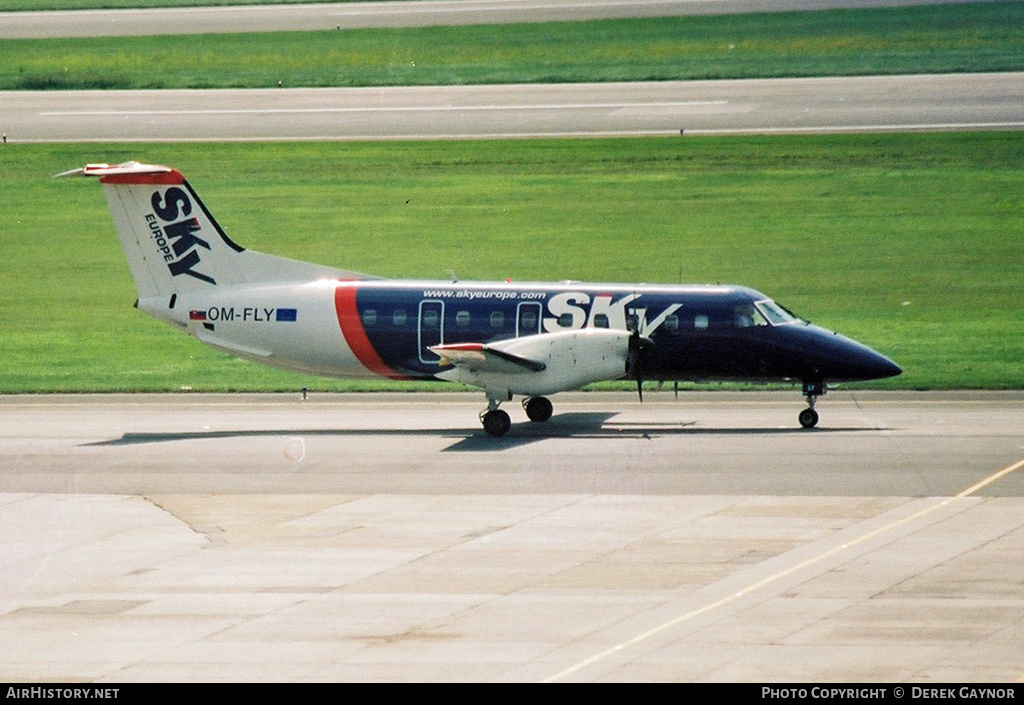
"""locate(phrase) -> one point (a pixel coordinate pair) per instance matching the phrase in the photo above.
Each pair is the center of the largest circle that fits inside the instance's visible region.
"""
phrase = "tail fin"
(174, 245)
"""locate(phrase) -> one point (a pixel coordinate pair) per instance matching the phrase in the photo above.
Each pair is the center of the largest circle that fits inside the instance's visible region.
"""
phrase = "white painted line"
(378, 109)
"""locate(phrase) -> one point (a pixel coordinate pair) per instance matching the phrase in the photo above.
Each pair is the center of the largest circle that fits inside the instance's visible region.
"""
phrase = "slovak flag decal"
(195, 315)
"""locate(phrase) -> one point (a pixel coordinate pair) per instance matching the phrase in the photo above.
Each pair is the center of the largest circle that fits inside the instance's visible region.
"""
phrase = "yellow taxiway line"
(782, 574)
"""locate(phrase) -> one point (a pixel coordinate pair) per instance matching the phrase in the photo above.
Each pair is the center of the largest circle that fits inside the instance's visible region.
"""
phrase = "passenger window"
(564, 321)
(370, 317)
(399, 317)
(700, 322)
(430, 318)
(528, 320)
(462, 319)
(497, 319)
(601, 320)
(671, 322)
(632, 322)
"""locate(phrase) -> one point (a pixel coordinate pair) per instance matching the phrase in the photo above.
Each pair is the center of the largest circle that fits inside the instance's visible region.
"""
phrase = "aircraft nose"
(881, 367)
(862, 363)
(837, 358)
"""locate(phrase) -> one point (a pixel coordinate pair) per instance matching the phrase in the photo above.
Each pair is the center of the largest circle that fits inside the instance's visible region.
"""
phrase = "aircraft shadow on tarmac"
(582, 426)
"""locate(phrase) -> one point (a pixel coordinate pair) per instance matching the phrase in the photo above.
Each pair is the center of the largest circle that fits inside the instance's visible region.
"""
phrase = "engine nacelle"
(571, 359)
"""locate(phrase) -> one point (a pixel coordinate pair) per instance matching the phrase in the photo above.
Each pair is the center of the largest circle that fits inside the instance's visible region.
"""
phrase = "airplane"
(510, 339)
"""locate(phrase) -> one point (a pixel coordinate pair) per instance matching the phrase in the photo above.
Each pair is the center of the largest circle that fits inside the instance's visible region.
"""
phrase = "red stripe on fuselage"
(355, 335)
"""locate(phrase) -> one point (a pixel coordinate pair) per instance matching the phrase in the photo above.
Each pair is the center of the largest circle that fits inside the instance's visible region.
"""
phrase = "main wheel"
(808, 418)
(496, 422)
(538, 409)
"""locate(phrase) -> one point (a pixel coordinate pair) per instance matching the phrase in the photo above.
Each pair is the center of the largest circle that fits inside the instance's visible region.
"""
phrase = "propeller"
(634, 368)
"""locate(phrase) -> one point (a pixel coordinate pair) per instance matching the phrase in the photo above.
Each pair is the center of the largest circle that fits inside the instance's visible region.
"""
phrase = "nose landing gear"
(808, 418)
(812, 390)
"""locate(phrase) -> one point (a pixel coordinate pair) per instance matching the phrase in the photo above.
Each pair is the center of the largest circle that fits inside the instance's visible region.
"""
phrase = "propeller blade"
(635, 345)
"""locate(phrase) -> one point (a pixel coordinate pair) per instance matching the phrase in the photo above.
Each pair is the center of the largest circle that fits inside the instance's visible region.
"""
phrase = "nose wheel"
(812, 390)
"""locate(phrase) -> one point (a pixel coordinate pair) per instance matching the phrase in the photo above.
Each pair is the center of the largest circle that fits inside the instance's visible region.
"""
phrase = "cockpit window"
(747, 315)
(778, 315)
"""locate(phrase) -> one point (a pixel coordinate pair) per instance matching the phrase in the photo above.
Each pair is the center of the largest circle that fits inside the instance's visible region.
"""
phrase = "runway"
(386, 538)
(776, 106)
(354, 15)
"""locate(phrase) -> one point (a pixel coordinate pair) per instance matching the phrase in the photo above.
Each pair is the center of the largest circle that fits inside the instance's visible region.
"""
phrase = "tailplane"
(172, 242)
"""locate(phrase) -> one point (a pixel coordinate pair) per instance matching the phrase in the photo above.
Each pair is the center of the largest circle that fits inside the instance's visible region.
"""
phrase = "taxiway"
(385, 537)
(767, 106)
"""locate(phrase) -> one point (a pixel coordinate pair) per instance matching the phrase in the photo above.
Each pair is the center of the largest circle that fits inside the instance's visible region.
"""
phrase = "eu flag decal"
(287, 314)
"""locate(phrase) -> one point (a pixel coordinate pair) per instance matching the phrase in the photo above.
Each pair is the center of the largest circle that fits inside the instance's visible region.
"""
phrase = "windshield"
(777, 315)
(746, 315)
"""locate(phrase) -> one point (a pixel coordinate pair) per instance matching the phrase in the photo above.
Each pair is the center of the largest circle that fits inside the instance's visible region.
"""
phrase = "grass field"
(925, 39)
(912, 243)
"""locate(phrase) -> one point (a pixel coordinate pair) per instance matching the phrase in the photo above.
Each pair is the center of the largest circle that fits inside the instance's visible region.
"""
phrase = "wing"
(539, 364)
(481, 358)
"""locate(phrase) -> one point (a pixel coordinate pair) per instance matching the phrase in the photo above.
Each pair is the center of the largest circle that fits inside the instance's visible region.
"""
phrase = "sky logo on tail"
(176, 237)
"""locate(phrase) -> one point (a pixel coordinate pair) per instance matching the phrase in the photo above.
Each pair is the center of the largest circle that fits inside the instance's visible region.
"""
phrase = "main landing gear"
(497, 422)
(812, 390)
(538, 409)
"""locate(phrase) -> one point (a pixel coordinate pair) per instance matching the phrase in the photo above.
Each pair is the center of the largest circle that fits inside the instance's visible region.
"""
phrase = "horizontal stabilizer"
(124, 169)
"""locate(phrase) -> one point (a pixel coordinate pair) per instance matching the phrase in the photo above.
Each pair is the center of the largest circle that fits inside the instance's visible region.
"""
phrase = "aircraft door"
(431, 329)
(528, 319)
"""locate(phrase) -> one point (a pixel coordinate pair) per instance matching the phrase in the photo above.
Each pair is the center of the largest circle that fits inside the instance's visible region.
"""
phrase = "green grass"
(912, 243)
(926, 39)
